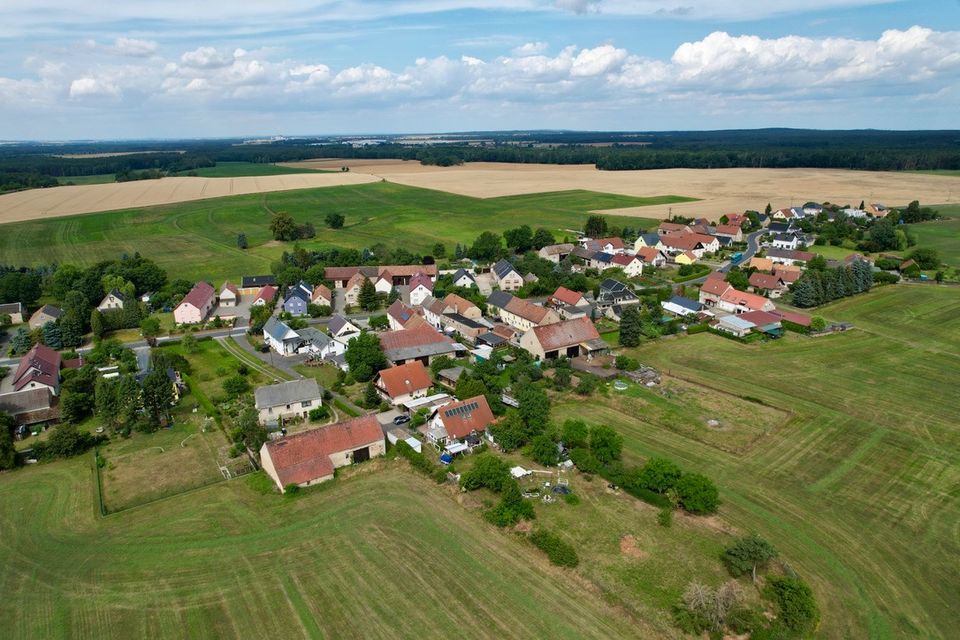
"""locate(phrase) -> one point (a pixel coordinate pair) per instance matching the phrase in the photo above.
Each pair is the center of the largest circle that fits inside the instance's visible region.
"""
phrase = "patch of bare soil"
(629, 548)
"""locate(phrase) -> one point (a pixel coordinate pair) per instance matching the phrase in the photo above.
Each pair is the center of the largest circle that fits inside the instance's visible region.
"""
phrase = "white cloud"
(134, 47)
(530, 49)
(206, 58)
(87, 87)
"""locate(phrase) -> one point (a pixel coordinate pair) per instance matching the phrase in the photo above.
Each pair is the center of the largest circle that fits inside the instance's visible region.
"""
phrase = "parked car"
(401, 420)
(264, 348)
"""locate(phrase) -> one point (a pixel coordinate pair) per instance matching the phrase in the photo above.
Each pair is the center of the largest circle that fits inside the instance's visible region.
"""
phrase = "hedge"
(698, 328)
(796, 328)
(559, 552)
(421, 462)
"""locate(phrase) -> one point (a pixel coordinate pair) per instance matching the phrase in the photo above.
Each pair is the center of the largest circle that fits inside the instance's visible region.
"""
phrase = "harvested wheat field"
(719, 190)
(70, 200)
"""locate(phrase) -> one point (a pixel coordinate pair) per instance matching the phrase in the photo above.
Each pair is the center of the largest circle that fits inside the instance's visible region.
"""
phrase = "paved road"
(753, 246)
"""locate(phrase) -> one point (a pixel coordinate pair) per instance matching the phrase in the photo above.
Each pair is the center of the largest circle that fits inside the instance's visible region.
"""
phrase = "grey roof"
(276, 329)
(491, 339)
(314, 336)
(297, 292)
(609, 284)
(465, 321)
(499, 299)
(25, 401)
(257, 281)
(463, 272)
(117, 294)
(724, 240)
(737, 322)
(502, 268)
(600, 256)
(453, 373)
(651, 239)
(11, 308)
(51, 310)
(337, 322)
(422, 351)
(686, 303)
(286, 393)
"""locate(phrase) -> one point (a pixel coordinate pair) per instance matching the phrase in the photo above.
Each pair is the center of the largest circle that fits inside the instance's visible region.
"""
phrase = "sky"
(222, 68)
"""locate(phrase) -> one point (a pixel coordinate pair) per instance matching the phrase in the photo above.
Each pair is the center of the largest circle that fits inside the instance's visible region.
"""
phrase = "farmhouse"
(43, 315)
(506, 276)
(570, 338)
(731, 231)
(403, 383)
(229, 295)
(421, 286)
(287, 400)
(38, 368)
(265, 296)
(737, 302)
(632, 265)
(667, 228)
(30, 406)
(786, 256)
(280, 337)
(465, 279)
(605, 245)
(764, 322)
(556, 253)
(680, 306)
(564, 297)
(652, 256)
(196, 305)
(310, 457)
(772, 284)
(519, 313)
(646, 240)
(458, 426)
(341, 328)
(297, 299)
(111, 301)
(251, 285)
(351, 290)
(14, 310)
(400, 274)
(423, 343)
(695, 243)
(615, 293)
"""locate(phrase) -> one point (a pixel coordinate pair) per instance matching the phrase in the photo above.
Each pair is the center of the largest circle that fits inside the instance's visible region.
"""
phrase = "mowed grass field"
(859, 489)
(942, 235)
(382, 553)
(199, 239)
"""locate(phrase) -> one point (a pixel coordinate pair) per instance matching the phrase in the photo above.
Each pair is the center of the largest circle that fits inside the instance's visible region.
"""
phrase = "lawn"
(240, 169)
(379, 553)
(99, 178)
(211, 363)
(859, 488)
(942, 235)
(199, 239)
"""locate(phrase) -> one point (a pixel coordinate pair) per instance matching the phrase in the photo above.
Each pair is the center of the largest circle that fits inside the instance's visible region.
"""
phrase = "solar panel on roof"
(467, 408)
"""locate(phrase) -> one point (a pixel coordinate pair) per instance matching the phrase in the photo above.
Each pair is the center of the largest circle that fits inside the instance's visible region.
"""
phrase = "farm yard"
(858, 489)
(226, 561)
(199, 239)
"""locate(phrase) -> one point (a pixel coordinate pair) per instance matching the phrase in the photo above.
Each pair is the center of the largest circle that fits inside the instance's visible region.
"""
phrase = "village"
(415, 330)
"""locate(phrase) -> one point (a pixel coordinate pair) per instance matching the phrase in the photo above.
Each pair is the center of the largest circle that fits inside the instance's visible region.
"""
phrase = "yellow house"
(685, 258)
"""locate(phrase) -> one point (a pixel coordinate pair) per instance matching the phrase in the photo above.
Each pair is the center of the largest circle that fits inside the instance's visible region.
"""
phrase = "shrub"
(559, 552)
(747, 554)
(665, 517)
(235, 385)
(488, 471)
(698, 328)
(320, 413)
(626, 363)
(697, 494)
(659, 474)
(587, 386)
(796, 606)
(571, 499)
(584, 460)
(291, 490)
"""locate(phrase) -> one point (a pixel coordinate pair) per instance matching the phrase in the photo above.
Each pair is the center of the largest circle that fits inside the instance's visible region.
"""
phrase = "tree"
(157, 396)
(796, 605)
(75, 405)
(510, 432)
(8, 452)
(631, 326)
(52, 336)
(488, 471)
(371, 399)
(697, 494)
(365, 357)
(379, 323)
(242, 241)
(768, 209)
(235, 385)
(926, 257)
(748, 553)
(575, 433)
(542, 238)
(817, 323)
(189, 344)
(605, 443)
(97, 326)
(884, 235)
(150, 327)
(486, 247)
(534, 408)
(520, 239)
(106, 405)
(439, 251)
(335, 220)
(247, 431)
(544, 450)
(283, 226)
(595, 227)
(659, 474)
(367, 299)
(20, 343)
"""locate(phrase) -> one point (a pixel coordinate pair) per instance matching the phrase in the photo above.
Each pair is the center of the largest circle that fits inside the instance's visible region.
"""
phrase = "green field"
(199, 239)
(859, 489)
(379, 554)
(942, 235)
(241, 169)
(100, 178)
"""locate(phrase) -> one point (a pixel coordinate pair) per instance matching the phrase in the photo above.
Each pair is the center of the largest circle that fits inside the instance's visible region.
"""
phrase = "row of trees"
(818, 286)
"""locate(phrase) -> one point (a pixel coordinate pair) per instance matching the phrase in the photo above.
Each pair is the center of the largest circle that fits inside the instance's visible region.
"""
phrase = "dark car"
(264, 348)
(401, 420)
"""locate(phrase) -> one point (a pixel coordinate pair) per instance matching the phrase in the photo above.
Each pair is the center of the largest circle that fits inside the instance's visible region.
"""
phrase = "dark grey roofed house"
(724, 240)
(650, 239)
(615, 292)
(499, 299)
(502, 268)
(337, 324)
(600, 256)
(285, 393)
(778, 227)
(491, 339)
(463, 273)
(465, 321)
(248, 282)
(680, 305)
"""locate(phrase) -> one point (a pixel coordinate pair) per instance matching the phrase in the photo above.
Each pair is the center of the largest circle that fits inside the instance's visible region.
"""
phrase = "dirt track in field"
(719, 190)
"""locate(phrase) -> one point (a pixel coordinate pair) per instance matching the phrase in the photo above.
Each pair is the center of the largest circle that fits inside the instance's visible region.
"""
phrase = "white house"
(632, 265)
(507, 277)
(294, 399)
(421, 286)
(464, 278)
(280, 337)
(111, 301)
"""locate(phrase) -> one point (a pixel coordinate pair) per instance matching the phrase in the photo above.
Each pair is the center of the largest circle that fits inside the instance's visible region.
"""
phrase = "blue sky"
(211, 68)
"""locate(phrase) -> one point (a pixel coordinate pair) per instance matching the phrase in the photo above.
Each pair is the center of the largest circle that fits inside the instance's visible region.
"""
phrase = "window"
(306, 403)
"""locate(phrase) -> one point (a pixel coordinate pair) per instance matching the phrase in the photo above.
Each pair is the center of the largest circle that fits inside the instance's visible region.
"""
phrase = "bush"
(659, 474)
(697, 494)
(421, 463)
(291, 490)
(320, 413)
(626, 363)
(559, 552)
(697, 328)
(587, 386)
(235, 385)
(796, 606)
(584, 460)
(488, 471)
(571, 499)
(665, 517)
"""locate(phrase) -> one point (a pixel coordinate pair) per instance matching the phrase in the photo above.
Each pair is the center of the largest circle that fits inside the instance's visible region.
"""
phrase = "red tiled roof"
(648, 254)
(415, 337)
(228, 286)
(395, 270)
(322, 292)
(796, 318)
(504, 331)
(600, 243)
(760, 318)
(199, 296)
(765, 281)
(743, 299)
(403, 314)
(527, 310)
(305, 456)
(41, 364)
(623, 259)
(715, 284)
(672, 227)
(267, 294)
(459, 304)
(405, 378)
(686, 241)
(565, 334)
(728, 229)
(567, 296)
(460, 419)
(788, 277)
(421, 279)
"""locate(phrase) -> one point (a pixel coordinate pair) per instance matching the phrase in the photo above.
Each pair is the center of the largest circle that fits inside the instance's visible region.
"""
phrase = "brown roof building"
(570, 338)
(404, 382)
(38, 367)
